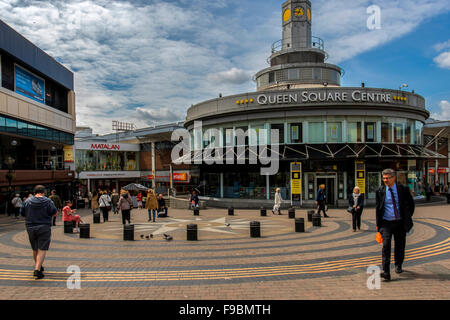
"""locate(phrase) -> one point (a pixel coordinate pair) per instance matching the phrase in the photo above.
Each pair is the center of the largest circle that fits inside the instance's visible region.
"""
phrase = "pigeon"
(227, 224)
(142, 236)
(151, 235)
(167, 237)
(147, 237)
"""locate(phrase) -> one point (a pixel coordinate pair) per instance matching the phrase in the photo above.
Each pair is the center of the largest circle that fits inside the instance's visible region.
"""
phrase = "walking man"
(17, 203)
(38, 211)
(58, 204)
(321, 200)
(394, 211)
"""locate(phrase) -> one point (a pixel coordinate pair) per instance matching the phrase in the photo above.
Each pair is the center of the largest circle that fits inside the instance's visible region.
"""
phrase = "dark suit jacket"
(406, 204)
(359, 203)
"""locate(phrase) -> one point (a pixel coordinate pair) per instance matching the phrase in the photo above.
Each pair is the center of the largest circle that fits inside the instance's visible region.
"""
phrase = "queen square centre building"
(338, 136)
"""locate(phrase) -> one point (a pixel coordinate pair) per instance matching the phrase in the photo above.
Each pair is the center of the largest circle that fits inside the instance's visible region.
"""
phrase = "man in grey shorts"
(38, 211)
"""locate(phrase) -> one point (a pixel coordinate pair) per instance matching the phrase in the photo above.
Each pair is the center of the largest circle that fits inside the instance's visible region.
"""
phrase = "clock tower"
(296, 24)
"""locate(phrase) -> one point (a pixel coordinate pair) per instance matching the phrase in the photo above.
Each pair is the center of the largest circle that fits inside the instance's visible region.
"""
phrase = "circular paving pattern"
(225, 253)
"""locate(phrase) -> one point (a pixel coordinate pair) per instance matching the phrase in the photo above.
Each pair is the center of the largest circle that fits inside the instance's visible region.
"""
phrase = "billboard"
(28, 84)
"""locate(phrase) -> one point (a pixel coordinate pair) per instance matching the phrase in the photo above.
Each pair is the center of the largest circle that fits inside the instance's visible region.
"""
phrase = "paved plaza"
(328, 262)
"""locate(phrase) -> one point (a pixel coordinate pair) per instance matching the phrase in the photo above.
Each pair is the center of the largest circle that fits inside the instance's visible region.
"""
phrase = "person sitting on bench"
(162, 206)
(68, 215)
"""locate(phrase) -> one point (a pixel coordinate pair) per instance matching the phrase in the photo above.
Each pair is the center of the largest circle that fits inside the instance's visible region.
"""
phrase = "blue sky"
(148, 61)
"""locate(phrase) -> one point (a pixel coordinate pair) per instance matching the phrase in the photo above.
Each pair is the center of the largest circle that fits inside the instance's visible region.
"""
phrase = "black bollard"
(316, 220)
(192, 232)
(128, 232)
(291, 213)
(196, 212)
(299, 225)
(263, 212)
(231, 211)
(255, 229)
(85, 231)
(96, 218)
(310, 214)
(68, 227)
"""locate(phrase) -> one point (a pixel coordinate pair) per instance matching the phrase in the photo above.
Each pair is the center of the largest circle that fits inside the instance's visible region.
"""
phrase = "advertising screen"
(29, 85)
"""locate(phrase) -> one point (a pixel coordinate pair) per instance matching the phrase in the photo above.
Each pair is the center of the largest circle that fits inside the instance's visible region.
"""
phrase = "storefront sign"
(29, 85)
(360, 176)
(68, 153)
(109, 174)
(431, 170)
(296, 183)
(324, 96)
(443, 170)
(102, 146)
(180, 176)
(98, 146)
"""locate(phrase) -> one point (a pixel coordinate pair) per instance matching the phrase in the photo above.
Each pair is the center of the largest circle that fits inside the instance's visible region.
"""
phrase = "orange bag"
(379, 238)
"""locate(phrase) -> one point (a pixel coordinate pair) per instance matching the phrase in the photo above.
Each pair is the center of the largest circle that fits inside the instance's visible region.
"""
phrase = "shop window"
(399, 132)
(228, 137)
(280, 128)
(255, 133)
(241, 140)
(418, 132)
(386, 132)
(371, 132)
(334, 132)
(11, 125)
(296, 132)
(354, 132)
(2, 124)
(315, 132)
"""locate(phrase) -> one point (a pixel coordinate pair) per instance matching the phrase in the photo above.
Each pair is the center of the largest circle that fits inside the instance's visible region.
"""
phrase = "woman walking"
(124, 205)
(94, 202)
(105, 205)
(356, 201)
(321, 200)
(151, 204)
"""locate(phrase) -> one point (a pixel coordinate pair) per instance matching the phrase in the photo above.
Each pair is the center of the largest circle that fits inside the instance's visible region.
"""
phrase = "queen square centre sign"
(324, 96)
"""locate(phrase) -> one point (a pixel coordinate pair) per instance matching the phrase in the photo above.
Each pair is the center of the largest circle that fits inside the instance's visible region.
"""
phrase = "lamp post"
(10, 175)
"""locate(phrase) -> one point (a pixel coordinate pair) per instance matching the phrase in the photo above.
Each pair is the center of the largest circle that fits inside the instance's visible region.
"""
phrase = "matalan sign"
(103, 146)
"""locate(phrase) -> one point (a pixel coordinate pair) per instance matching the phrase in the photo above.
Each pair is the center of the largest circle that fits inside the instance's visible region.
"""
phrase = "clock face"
(286, 15)
(309, 14)
(299, 12)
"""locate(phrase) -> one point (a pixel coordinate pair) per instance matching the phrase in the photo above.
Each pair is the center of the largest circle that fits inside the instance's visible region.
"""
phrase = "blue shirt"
(389, 213)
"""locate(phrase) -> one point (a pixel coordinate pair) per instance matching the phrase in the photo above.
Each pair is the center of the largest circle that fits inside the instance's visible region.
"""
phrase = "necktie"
(395, 204)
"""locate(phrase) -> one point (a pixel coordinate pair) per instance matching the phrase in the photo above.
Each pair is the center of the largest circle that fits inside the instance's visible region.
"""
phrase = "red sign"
(431, 170)
(150, 177)
(180, 176)
(102, 146)
(442, 170)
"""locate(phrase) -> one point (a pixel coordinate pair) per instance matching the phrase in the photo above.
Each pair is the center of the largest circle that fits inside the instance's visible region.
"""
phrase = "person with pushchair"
(193, 200)
(278, 201)
(162, 208)
(321, 200)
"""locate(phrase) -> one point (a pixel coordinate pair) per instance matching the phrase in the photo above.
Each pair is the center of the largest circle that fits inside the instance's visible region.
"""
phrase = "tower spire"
(296, 24)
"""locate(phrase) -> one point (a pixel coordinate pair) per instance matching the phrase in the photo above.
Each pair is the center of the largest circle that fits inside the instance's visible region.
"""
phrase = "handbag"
(108, 207)
(350, 209)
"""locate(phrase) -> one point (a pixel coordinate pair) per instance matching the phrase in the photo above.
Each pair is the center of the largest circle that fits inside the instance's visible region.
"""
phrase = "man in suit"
(394, 210)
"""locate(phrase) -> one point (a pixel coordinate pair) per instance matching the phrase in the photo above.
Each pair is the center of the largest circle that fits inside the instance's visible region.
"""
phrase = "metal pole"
(153, 166)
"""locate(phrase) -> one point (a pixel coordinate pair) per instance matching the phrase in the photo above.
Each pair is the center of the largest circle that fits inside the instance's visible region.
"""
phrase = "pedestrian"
(114, 200)
(356, 201)
(193, 200)
(89, 200)
(124, 205)
(17, 204)
(428, 191)
(278, 200)
(447, 192)
(58, 204)
(151, 205)
(94, 201)
(394, 210)
(139, 200)
(162, 206)
(68, 215)
(321, 200)
(105, 205)
(38, 211)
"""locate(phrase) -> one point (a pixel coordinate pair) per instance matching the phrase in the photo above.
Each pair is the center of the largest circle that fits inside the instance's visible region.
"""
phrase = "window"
(371, 135)
(296, 132)
(227, 137)
(334, 132)
(22, 128)
(271, 77)
(280, 128)
(399, 132)
(418, 132)
(255, 132)
(2, 124)
(293, 74)
(11, 125)
(315, 132)
(354, 132)
(386, 132)
(317, 74)
(241, 136)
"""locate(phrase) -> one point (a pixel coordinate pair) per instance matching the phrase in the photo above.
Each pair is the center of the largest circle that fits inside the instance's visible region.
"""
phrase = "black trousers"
(387, 230)
(105, 213)
(322, 208)
(356, 219)
(126, 216)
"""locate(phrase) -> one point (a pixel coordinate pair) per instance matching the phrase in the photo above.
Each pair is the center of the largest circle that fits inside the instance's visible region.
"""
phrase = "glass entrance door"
(373, 183)
(330, 188)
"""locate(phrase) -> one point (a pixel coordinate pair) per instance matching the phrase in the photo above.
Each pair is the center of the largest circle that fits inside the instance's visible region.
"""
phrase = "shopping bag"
(379, 238)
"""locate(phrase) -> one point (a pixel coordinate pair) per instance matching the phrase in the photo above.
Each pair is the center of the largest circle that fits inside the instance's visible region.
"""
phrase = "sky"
(147, 62)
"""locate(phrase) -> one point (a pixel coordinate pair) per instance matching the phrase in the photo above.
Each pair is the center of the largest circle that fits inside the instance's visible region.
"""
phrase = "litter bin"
(68, 227)
(85, 231)
(192, 232)
(196, 212)
(263, 212)
(231, 211)
(299, 225)
(255, 229)
(316, 220)
(96, 217)
(291, 213)
(128, 232)
(80, 204)
(310, 214)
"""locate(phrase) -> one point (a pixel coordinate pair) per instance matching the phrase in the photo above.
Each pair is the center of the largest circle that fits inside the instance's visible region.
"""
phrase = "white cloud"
(442, 45)
(444, 115)
(159, 116)
(443, 60)
(232, 76)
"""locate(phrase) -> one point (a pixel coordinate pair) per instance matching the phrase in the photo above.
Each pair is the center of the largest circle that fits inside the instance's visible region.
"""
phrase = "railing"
(316, 43)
